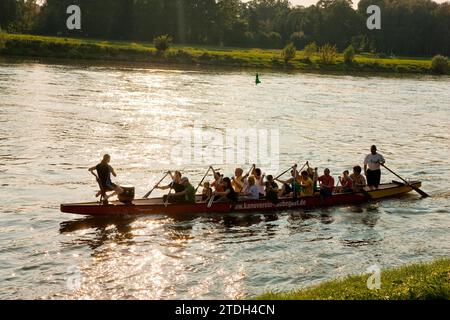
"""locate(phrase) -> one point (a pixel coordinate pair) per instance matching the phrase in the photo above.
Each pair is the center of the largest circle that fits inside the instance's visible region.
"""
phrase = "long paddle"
(204, 177)
(167, 199)
(291, 168)
(306, 164)
(156, 185)
(422, 193)
(281, 174)
(210, 202)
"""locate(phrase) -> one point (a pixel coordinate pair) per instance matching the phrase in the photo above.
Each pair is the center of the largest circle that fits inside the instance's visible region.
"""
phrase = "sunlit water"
(57, 120)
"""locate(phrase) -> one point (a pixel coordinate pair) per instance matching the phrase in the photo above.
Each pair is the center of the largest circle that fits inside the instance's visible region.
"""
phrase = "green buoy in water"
(257, 81)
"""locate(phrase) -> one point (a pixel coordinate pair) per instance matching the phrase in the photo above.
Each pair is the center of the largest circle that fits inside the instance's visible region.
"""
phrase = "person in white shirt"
(252, 191)
(259, 181)
(372, 164)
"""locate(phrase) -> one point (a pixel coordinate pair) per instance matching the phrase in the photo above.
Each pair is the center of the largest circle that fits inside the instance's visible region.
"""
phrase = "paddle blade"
(422, 193)
(210, 202)
(148, 194)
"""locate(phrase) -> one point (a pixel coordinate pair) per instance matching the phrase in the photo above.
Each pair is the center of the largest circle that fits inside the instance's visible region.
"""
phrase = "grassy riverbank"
(56, 47)
(411, 282)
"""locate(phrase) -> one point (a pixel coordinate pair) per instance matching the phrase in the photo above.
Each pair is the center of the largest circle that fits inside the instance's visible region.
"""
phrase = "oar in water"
(211, 200)
(422, 193)
(156, 185)
(167, 199)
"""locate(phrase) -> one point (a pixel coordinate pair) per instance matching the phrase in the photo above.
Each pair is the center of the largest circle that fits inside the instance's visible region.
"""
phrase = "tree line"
(408, 27)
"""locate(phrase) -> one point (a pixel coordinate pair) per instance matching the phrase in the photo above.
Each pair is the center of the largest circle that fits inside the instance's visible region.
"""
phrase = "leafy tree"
(231, 26)
(339, 22)
(360, 43)
(8, 13)
(409, 27)
(288, 53)
(18, 15)
(298, 38)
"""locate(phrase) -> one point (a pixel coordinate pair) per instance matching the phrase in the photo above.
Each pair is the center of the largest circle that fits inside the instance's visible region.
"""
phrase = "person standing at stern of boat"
(372, 164)
(104, 171)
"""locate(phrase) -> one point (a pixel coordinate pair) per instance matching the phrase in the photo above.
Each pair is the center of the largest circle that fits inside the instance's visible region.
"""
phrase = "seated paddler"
(185, 196)
(176, 185)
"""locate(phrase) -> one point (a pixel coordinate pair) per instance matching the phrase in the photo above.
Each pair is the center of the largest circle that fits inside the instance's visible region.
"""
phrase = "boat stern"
(393, 189)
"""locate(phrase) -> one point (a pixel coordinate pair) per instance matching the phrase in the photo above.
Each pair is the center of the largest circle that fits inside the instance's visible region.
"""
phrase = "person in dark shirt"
(185, 196)
(228, 194)
(103, 176)
(176, 185)
(271, 189)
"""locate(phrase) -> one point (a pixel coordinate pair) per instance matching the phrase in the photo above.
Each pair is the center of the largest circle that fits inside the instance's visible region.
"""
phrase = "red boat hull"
(156, 205)
(144, 206)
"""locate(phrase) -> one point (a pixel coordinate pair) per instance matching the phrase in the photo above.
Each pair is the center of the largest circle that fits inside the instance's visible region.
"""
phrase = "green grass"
(73, 48)
(420, 281)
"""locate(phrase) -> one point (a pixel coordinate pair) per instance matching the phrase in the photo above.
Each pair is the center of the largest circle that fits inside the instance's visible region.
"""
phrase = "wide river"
(58, 119)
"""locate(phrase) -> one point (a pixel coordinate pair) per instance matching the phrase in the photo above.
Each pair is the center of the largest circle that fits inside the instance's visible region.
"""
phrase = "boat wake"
(442, 195)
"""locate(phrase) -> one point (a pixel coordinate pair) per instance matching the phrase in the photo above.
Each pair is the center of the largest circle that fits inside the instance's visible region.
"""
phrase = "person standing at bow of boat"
(104, 171)
(372, 171)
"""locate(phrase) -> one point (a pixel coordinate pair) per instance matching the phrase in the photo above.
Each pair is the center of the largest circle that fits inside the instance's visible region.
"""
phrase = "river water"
(58, 119)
